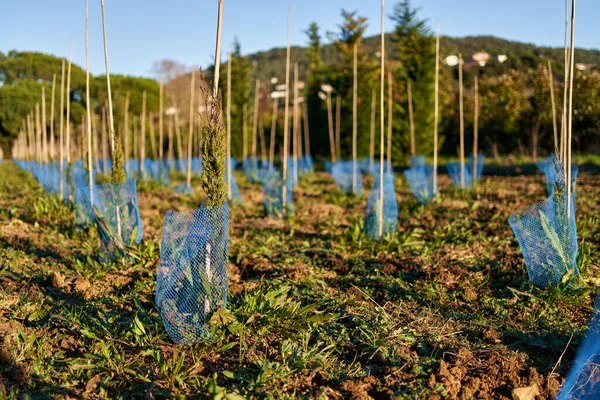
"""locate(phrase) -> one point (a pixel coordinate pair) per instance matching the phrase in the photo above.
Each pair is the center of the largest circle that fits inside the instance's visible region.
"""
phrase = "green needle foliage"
(214, 148)
(117, 174)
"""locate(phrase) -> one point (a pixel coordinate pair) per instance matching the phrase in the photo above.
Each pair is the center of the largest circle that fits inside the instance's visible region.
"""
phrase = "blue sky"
(143, 31)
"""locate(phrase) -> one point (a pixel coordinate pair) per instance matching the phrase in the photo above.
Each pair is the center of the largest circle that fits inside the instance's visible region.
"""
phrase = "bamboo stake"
(191, 129)
(570, 115)
(372, 133)
(111, 122)
(52, 142)
(161, 112)
(306, 130)
(171, 148)
(44, 127)
(390, 119)
(563, 132)
(436, 108)
(126, 133)
(295, 124)
(476, 132)
(382, 88)
(554, 126)
(68, 94)
(135, 150)
(263, 144)
(229, 172)
(354, 117)
(255, 118)
(338, 125)
(178, 136)
(95, 143)
(61, 131)
(286, 110)
(245, 131)
(330, 121)
(462, 122)
(411, 120)
(88, 107)
(273, 131)
(152, 134)
(104, 143)
(143, 137)
(38, 134)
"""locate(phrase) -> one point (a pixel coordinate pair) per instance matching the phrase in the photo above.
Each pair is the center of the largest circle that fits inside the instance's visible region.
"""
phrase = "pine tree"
(316, 107)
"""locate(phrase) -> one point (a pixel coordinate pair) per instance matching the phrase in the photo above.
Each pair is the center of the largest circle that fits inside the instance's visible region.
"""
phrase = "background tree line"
(515, 109)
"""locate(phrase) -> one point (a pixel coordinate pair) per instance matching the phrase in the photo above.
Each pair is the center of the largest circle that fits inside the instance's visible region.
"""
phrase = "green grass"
(316, 309)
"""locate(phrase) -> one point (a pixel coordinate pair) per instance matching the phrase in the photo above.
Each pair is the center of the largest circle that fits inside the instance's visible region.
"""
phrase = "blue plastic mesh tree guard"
(550, 173)
(390, 208)
(583, 380)
(235, 190)
(250, 167)
(328, 166)
(309, 164)
(417, 161)
(420, 181)
(184, 188)
(192, 279)
(342, 172)
(117, 216)
(454, 171)
(79, 185)
(272, 188)
(548, 238)
(545, 163)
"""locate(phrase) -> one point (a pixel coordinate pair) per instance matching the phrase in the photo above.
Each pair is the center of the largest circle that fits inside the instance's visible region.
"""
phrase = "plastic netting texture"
(454, 171)
(373, 228)
(548, 239)
(583, 380)
(550, 173)
(192, 280)
(272, 188)
(117, 216)
(250, 167)
(420, 181)
(343, 174)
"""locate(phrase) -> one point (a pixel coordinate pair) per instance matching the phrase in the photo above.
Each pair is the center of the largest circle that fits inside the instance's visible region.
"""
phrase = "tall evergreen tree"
(415, 47)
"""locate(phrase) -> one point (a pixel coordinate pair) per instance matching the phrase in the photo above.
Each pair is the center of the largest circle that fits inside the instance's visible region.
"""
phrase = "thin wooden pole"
(171, 148)
(126, 133)
(229, 172)
(563, 132)
(286, 111)
(88, 107)
(554, 126)
(263, 144)
(191, 129)
(570, 114)
(462, 121)
(44, 127)
(306, 130)
(180, 153)
(330, 121)
(152, 134)
(411, 120)
(255, 118)
(95, 143)
(135, 148)
(245, 131)
(161, 113)
(273, 131)
(111, 122)
(382, 123)
(372, 132)
(104, 143)
(476, 131)
(436, 108)
(38, 134)
(143, 136)
(52, 142)
(61, 130)
(68, 98)
(218, 53)
(338, 125)
(354, 120)
(390, 121)
(295, 124)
